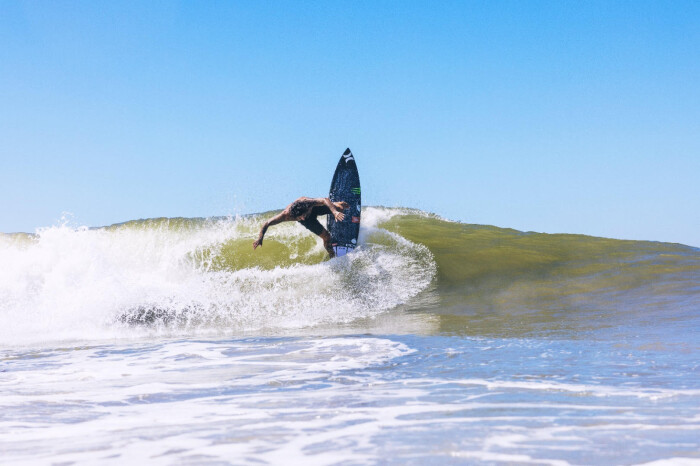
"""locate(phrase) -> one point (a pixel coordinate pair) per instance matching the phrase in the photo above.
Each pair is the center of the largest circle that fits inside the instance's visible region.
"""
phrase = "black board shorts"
(312, 223)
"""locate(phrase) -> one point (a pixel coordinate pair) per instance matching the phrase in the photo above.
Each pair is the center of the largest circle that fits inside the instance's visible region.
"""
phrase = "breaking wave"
(198, 276)
(178, 276)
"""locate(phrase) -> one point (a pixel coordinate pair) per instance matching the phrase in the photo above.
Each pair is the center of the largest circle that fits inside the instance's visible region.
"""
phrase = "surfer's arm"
(339, 216)
(279, 218)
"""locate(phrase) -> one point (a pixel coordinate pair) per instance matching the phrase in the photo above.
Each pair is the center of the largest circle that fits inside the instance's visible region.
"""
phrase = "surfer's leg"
(326, 237)
(313, 225)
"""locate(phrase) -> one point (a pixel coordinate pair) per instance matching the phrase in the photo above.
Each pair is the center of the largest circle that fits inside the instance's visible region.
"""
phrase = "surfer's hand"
(339, 216)
(257, 242)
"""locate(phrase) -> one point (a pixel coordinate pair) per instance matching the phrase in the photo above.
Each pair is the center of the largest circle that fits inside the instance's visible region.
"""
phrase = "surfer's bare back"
(305, 210)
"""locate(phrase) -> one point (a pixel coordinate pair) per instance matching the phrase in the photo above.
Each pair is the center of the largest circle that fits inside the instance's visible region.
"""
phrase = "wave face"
(198, 276)
(503, 282)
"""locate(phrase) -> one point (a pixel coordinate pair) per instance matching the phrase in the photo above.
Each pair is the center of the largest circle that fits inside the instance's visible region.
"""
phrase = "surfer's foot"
(330, 250)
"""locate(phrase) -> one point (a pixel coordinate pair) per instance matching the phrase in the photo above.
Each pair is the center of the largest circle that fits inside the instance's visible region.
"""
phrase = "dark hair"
(298, 208)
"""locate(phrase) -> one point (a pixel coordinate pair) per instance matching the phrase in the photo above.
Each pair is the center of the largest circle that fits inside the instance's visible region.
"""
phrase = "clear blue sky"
(576, 117)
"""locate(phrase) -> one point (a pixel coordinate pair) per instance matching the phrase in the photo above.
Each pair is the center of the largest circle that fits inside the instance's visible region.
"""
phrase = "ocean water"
(170, 341)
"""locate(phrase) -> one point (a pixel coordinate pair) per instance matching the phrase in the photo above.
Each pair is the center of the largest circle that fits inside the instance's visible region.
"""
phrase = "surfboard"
(345, 187)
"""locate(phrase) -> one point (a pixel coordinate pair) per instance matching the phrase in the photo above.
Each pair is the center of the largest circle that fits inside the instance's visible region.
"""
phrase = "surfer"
(305, 210)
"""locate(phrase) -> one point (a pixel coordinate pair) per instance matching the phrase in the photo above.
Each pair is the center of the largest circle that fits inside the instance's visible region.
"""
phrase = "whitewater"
(198, 275)
(171, 341)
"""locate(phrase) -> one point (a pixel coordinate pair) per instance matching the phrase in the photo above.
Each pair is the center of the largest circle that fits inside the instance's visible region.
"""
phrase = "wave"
(505, 282)
(486, 258)
(175, 276)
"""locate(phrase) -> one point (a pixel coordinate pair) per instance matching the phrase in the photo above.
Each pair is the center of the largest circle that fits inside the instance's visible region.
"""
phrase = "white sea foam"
(311, 401)
(589, 389)
(375, 216)
(675, 461)
(68, 283)
(170, 400)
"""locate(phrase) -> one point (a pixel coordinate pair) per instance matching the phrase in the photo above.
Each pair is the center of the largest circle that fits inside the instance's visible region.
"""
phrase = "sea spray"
(176, 276)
